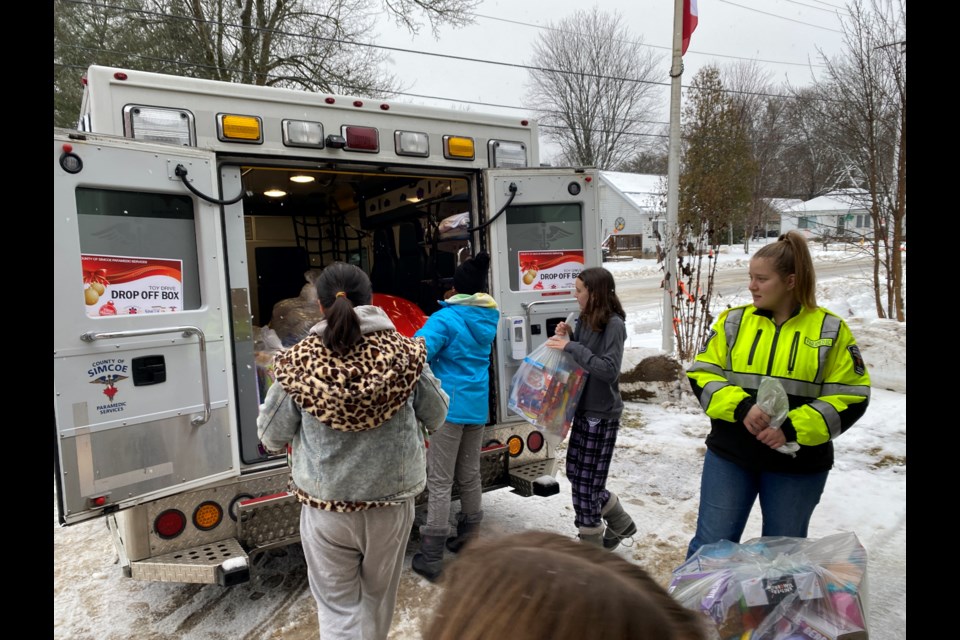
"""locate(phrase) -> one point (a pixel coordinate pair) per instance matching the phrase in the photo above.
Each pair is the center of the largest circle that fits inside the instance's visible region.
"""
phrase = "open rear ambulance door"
(142, 371)
(547, 233)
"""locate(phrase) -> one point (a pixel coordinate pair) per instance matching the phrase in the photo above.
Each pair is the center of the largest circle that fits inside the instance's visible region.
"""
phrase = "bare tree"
(865, 119)
(592, 89)
(82, 32)
(715, 195)
(318, 45)
(761, 115)
(653, 159)
(810, 165)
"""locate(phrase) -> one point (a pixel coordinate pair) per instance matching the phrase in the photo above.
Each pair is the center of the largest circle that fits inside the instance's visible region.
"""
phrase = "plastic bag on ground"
(545, 391)
(778, 588)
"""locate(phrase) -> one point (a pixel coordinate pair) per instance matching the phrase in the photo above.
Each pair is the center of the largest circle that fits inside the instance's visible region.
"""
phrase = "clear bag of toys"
(778, 588)
(545, 391)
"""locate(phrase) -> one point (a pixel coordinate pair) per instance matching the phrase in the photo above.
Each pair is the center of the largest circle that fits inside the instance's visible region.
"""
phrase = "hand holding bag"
(545, 391)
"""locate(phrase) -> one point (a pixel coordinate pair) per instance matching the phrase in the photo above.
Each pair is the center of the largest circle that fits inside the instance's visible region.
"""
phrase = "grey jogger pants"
(354, 561)
(454, 453)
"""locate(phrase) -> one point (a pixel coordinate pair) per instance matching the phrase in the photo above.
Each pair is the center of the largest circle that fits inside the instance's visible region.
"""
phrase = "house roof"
(783, 204)
(843, 200)
(641, 189)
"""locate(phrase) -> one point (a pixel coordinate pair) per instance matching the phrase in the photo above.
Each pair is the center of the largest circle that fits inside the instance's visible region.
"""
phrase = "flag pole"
(673, 182)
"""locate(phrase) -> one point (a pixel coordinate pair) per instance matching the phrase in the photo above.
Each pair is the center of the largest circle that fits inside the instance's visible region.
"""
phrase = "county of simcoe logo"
(109, 384)
(108, 373)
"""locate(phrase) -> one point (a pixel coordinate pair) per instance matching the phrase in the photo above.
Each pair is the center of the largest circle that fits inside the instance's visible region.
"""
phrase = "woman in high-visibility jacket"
(812, 353)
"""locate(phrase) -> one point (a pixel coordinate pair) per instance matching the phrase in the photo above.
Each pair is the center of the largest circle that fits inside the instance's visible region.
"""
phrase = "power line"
(372, 46)
(387, 48)
(653, 46)
(767, 13)
(834, 10)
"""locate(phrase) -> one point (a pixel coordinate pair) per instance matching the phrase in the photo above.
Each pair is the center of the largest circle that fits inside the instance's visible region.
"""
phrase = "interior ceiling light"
(274, 193)
(302, 179)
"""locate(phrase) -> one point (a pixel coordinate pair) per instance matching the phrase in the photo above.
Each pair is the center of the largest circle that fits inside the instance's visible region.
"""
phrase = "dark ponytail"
(340, 288)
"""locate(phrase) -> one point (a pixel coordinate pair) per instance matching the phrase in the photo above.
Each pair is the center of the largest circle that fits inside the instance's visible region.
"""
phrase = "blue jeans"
(727, 494)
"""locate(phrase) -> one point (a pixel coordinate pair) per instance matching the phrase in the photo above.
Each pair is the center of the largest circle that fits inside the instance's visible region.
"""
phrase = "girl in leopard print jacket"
(349, 400)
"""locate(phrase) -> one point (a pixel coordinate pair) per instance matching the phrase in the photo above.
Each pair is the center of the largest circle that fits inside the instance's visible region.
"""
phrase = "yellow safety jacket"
(813, 354)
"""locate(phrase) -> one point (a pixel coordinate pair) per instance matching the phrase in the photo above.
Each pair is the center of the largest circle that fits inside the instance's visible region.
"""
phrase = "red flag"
(689, 23)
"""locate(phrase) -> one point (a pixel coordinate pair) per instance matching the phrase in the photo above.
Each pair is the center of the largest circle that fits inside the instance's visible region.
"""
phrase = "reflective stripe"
(829, 329)
(800, 388)
(859, 390)
(709, 367)
(830, 416)
(711, 388)
(731, 328)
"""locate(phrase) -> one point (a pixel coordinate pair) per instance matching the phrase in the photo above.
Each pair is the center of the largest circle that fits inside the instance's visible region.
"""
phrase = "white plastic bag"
(454, 225)
(772, 399)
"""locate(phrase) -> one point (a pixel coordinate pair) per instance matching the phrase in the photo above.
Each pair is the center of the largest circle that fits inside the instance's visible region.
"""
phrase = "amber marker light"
(207, 516)
(515, 445)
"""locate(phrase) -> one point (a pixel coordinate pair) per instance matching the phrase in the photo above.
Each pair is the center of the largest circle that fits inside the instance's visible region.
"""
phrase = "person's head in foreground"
(539, 585)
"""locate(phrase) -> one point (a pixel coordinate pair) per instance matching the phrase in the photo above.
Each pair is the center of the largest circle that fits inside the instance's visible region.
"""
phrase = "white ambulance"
(187, 211)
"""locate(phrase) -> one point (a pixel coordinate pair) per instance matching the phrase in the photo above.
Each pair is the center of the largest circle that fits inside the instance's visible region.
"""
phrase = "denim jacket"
(353, 421)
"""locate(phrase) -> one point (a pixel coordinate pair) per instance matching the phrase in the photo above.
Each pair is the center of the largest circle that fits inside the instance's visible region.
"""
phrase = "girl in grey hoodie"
(596, 344)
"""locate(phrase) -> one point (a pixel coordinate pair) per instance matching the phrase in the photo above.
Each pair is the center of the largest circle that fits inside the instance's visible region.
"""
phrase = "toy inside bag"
(545, 391)
(778, 588)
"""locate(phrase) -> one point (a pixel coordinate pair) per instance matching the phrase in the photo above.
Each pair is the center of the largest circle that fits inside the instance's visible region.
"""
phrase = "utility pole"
(671, 233)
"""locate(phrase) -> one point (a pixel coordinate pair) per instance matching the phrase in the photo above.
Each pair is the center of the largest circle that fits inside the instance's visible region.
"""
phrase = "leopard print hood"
(359, 390)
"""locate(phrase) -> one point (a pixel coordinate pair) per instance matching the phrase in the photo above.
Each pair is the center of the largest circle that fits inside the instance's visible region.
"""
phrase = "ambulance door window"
(139, 252)
(546, 245)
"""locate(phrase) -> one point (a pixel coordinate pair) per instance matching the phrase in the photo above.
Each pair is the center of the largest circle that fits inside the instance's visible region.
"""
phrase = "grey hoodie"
(601, 355)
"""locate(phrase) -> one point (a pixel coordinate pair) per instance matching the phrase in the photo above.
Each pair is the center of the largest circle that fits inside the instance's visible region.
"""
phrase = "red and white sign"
(121, 285)
(549, 270)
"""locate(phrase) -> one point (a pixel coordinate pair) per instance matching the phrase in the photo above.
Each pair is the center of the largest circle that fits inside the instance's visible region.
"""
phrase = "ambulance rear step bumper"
(262, 523)
(535, 478)
(224, 563)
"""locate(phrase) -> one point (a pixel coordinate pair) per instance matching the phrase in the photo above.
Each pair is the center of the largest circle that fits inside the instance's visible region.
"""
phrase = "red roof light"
(361, 139)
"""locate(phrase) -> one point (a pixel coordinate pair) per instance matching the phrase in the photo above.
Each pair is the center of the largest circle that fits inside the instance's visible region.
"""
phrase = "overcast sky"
(783, 36)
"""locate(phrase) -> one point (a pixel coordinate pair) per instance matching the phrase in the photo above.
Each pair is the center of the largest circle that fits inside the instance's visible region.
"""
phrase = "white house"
(773, 215)
(632, 206)
(842, 213)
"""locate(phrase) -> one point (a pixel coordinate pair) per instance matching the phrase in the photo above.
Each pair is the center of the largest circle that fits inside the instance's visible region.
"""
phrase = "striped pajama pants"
(588, 461)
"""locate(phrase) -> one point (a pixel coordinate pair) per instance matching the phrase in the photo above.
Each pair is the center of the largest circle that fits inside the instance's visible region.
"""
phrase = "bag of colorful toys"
(778, 588)
(545, 391)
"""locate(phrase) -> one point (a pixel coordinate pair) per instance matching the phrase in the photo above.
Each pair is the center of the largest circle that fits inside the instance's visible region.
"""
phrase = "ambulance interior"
(403, 229)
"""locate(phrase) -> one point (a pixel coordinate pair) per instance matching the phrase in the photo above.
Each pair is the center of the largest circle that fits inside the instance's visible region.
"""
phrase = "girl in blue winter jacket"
(458, 337)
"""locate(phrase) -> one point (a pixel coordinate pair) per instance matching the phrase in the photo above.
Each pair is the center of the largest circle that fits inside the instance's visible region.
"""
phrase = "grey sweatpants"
(454, 453)
(353, 563)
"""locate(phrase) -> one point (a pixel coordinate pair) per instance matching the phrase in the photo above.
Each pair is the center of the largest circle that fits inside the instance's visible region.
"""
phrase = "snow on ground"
(656, 471)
